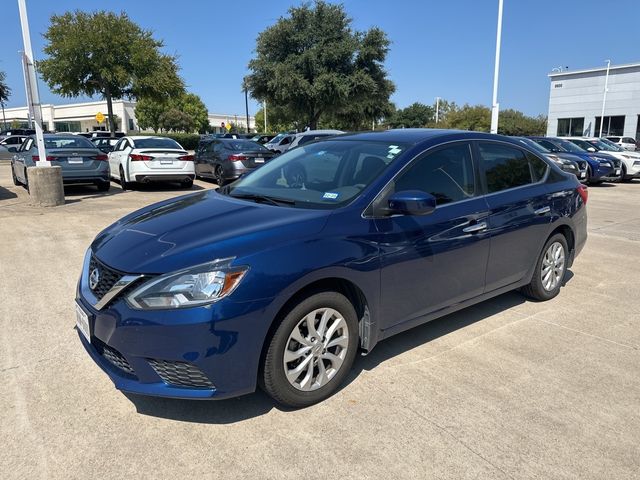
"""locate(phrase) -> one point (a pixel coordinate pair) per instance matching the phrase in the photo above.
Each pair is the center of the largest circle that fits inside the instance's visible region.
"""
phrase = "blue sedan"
(280, 278)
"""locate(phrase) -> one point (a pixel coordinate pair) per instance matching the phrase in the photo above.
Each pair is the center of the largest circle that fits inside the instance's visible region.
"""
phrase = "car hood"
(198, 228)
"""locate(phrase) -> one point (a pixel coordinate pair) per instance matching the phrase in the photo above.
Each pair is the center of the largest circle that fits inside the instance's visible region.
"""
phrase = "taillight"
(102, 158)
(235, 158)
(134, 157)
(186, 158)
(584, 193)
(36, 158)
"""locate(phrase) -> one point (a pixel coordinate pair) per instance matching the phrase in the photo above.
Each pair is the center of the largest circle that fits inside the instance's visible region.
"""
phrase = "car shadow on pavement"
(258, 403)
(6, 194)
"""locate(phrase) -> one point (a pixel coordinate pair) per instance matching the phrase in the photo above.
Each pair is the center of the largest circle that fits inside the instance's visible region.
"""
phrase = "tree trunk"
(112, 123)
(313, 121)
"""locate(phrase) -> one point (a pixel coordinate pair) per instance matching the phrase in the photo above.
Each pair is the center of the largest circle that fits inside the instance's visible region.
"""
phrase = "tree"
(149, 112)
(513, 122)
(312, 63)
(106, 54)
(5, 93)
(468, 117)
(416, 115)
(176, 121)
(277, 120)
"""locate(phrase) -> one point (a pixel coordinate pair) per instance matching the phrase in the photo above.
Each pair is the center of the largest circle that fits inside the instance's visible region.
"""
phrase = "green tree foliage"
(313, 64)
(149, 112)
(417, 115)
(5, 90)
(277, 120)
(106, 54)
(513, 122)
(174, 120)
(468, 117)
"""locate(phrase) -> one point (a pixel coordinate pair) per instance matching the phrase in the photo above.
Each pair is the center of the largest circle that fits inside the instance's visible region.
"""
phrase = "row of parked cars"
(97, 158)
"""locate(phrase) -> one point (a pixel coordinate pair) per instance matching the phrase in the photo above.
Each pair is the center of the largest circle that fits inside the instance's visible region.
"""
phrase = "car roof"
(418, 135)
(319, 132)
(143, 137)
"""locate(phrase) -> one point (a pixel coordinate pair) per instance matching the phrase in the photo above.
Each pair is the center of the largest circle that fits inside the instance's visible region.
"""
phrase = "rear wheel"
(550, 269)
(103, 186)
(219, 176)
(187, 183)
(123, 182)
(312, 350)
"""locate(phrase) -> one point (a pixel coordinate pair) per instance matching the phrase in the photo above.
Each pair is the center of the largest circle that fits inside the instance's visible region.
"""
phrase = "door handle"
(542, 211)
(475, 228)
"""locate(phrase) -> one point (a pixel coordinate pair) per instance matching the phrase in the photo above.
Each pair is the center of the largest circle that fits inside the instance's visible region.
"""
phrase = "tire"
(103, 186)
(589, 180)
(123, 182)
(540, 288)
(218, 174)
(310, 386)
(186, 184)
(26, 181)
(624, 178)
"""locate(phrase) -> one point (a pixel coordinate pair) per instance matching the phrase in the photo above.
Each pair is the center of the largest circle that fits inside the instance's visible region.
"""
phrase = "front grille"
(582, 164)
(180, 374)
(108, 277)
(616, 163)
(114, 357)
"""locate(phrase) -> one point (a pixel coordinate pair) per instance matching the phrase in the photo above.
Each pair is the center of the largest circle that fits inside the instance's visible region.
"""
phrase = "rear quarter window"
(508, 167)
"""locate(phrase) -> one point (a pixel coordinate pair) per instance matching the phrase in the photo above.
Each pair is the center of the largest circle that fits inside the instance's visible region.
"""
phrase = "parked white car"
(627, 143)
(283, 142)
(630, 160)
(146, 159)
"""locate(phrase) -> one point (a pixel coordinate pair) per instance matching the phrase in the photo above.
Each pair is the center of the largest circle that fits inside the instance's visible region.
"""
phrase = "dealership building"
(81, 117)
(576, 98)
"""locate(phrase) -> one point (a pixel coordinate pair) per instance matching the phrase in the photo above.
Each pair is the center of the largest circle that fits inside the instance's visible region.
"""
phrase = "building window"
(612, 126)
(67, 126)
(570, 127)
(131, 126)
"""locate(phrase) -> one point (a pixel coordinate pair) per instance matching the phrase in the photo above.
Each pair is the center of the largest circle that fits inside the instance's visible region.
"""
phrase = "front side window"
(446, 173)
(506, 167)
(319, 175)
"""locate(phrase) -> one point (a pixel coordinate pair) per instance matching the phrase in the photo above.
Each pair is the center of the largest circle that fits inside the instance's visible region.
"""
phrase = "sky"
(439, 48)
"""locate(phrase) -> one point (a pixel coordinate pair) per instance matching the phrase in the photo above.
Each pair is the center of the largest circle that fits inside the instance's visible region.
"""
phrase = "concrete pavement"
(506, 389)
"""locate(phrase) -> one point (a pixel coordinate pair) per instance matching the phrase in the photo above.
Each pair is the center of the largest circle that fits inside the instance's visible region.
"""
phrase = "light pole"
(604, 96)
(4, 119)
(264, 108)
(495, 107)
(246, 106)
(437, 108)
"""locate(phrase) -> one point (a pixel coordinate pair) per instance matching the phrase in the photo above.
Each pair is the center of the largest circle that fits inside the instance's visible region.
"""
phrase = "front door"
(431, 262)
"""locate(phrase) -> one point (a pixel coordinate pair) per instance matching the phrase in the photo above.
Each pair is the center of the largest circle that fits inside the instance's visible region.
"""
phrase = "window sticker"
(331, 195)
(393, 151)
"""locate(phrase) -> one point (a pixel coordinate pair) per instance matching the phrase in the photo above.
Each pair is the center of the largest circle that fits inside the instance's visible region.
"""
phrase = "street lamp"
(495, 107)
(604, 96)
(437, 108)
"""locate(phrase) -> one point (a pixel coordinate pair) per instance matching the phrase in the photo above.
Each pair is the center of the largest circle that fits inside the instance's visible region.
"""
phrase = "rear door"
(519, 204)
(431, 262)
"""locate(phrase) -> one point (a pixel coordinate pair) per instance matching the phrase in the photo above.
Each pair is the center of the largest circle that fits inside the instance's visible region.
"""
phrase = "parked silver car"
(80, 160)
(9, 145)
(283, 142)
(627, 143)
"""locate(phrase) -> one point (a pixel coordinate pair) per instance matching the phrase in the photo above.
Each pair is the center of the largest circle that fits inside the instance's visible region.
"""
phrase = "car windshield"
(606, 145)
(535, 146)
(156, 142)
(326, 174)
(244, 145)
(277, 138)
(568, 146)
(583, 144)
(67, 142)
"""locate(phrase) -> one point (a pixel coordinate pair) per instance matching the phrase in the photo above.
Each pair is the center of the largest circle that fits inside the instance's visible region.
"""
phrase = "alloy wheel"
(553, 264)
(316, 349)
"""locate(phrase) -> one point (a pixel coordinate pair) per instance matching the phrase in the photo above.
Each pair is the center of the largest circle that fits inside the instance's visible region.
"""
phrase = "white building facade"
(81, 117)
(576, 98)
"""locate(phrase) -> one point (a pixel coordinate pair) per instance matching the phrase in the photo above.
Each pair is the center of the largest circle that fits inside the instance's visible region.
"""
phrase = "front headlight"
(605, 163)
(192, 287)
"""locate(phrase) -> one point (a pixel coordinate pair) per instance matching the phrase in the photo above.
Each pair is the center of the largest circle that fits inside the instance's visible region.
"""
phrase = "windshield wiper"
(263, 198)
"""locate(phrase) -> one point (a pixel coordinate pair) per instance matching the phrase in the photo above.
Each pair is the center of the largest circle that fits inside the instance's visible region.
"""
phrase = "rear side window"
(628, 140)
(447, 174)
(508, 167)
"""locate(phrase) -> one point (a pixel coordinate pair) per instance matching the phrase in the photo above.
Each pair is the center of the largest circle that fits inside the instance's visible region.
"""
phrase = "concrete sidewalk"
(505, 389)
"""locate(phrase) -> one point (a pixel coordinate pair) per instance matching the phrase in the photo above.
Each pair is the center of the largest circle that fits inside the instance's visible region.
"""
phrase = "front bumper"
(210, 352)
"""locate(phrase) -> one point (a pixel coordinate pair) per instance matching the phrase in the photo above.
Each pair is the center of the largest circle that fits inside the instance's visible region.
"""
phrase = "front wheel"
(16, 182)
(312, 350)
(550, 269)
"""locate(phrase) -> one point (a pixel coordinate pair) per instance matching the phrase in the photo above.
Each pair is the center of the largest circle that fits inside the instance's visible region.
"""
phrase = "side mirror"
(591, 149)
(12, 149)
(412, 202)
